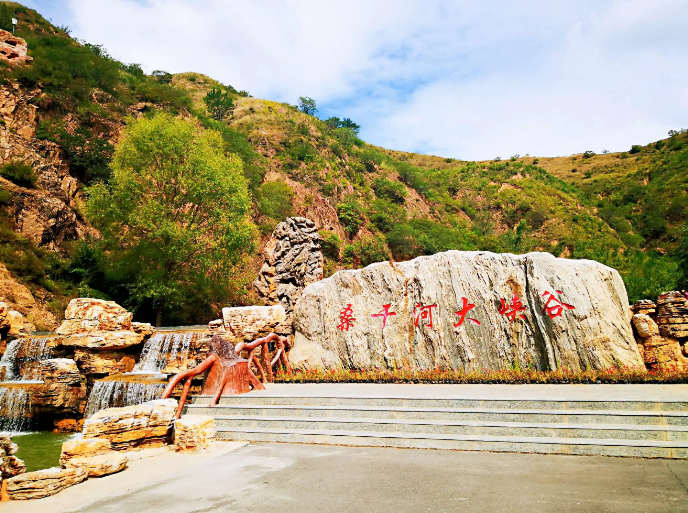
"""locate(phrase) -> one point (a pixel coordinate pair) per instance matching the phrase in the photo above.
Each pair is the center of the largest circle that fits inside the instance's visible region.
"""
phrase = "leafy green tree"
(219, 103)
(162, 76)
(307, 105)
(174, 213)
(682, 258)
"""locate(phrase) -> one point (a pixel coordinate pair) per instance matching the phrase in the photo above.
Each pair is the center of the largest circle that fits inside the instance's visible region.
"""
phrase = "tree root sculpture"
(265, 364)
(227, 374)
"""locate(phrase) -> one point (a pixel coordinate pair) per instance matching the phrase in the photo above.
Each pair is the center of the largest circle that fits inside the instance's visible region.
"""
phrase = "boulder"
(193, 433)
(87, 315)
(101, 465)
(43, 483)
(132, 427)
(103, 362)
(13, 49)
(104, 340)
(467, 310)
(645, 326)
(645, 307)
(250, 322)
(10, 465)
(293, 260)
(60, 371)
(83, 448)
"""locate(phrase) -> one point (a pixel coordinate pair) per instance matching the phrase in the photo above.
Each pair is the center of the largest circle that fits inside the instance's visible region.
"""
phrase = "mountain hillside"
(62, 116)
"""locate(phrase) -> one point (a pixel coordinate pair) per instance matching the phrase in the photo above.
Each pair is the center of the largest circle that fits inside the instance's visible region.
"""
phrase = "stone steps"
(650, 429)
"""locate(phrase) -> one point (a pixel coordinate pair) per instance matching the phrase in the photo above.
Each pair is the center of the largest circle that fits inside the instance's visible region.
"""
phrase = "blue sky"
(463, 78)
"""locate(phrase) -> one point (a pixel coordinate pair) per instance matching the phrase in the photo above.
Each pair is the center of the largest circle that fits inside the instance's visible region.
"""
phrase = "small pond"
(40, 449)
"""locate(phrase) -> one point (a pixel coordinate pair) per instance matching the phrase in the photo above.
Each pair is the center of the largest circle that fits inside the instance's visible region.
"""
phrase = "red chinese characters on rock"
(346, 318)
(513, 309)
(466, 307)
(384, 313)
(423, 312)
(555, 306)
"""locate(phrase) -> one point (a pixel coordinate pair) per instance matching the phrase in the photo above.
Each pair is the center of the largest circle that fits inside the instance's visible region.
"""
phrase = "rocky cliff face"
(467, 310)
(47, 214)
(293, 260)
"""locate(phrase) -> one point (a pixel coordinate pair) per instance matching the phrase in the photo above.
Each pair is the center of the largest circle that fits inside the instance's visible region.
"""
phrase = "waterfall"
(14, 409)
(112, 393)
(35, 350)
(163, 348)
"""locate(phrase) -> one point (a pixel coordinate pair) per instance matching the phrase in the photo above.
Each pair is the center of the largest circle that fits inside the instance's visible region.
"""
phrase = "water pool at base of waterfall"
(40, 449)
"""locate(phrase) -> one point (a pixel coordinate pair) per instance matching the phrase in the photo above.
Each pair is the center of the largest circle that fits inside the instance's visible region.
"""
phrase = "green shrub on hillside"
(365, 251)
(19, 173)
(385, 215)
(681, 255)
(330, 244)
(350, 215)
(386, 189)
(275, 200)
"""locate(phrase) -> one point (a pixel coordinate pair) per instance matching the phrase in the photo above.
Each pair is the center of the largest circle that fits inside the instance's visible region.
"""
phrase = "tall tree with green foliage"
(174, 213)
(307, 105)
(219, 103)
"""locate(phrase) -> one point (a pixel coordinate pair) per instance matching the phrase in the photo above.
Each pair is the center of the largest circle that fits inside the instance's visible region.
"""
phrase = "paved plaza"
(293, 478)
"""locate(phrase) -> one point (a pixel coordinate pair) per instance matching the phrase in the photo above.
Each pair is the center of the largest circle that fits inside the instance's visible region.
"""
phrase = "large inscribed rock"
(467, 310)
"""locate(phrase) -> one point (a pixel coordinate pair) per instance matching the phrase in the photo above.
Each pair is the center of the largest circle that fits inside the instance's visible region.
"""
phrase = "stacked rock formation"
(467, 310)
(10, 465)
(662, 330)
(293, 260)
(134, 427)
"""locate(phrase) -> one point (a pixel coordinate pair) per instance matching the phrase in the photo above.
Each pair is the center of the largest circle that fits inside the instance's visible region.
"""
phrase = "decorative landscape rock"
(10, 465)
(249, 322)
(87, 315)
(60, 371)
(104, 340)
(662, 330)
(132, 427)
(101, 465)
(103, 362)
(12, 322)
(83, 448)
(43, 483)
(293, 260)
(193, 433)
(467, 310)
(672, 314)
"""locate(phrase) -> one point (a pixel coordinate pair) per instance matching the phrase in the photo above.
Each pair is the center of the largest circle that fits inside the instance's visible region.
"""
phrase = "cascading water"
(15, 414)
(145, 383)
(165, 347)
(21, 370)
(26, 368)
(113, 393)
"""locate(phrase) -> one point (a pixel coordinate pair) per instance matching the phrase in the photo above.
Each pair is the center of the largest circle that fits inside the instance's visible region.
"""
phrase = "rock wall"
(293, 260)
(46, 214)
(662, 330)
(467, 310)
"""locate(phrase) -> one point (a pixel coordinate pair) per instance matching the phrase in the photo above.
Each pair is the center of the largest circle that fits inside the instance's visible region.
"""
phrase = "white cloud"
(470, 79)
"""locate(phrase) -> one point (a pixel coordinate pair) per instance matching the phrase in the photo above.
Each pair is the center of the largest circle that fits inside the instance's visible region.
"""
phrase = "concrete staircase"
(648, 429)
